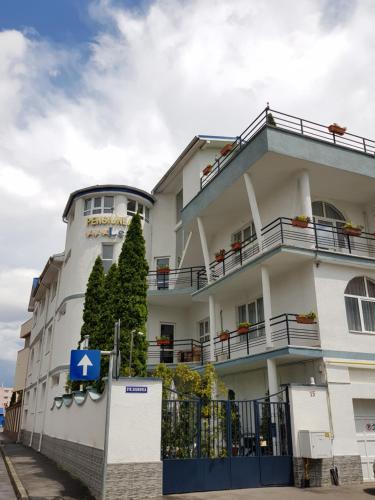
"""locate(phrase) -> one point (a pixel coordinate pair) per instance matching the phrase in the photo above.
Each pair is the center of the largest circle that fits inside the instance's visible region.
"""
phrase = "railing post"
(247, 342)
(301, 122)
(364, 145)
(287, 418)
(229, 347)
(334, 137)
(349, 245)
(287, 328)
(199, 424)
(281, 230)
(229, 427)
(201, 353)
(191, 277)
(198, 276)
(315, 234)
(257, 428)
(240, 255)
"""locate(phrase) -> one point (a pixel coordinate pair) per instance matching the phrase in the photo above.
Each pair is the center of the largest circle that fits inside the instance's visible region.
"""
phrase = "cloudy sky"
(112, 90)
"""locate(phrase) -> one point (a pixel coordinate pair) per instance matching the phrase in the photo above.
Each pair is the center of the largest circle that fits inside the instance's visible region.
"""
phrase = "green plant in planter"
(302, 218)
(350, 225)
(271, 120)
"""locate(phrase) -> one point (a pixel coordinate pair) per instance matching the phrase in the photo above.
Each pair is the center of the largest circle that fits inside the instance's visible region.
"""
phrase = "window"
(244, 234)
(107, 256)
(329, 222)
(55, 380)
(204, 330)
(179, 205)
(360, 304)
(134, 207)
(98, 205)
(179, 245)
(252, 313)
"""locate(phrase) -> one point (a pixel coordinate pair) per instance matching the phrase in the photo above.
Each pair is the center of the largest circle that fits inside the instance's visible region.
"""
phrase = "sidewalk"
(41, 477)
(6, 488)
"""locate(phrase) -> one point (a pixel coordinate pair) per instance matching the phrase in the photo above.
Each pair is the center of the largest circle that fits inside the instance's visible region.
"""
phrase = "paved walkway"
(362, 492)
(6, 488)
(41, 477)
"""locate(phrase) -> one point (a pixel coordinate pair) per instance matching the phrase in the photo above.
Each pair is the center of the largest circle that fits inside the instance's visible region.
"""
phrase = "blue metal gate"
(220, 445)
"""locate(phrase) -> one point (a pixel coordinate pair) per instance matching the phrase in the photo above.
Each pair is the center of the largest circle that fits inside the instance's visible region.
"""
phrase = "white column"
(206, 255)
(273, 385)
(211, 305)
(305, 193)
(253, 206)
(266, 289)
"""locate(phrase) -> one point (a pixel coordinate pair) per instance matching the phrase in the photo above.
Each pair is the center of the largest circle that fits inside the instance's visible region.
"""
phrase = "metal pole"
(131, 352)
(109, 391)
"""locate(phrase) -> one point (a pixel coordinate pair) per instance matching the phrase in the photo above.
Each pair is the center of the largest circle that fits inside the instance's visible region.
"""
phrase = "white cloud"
(123, 114)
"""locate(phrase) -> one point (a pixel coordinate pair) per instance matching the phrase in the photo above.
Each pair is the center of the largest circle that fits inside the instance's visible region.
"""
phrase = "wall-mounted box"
(315, 444)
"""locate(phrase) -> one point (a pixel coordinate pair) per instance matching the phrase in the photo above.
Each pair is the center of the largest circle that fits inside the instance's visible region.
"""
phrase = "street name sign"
(84, 364)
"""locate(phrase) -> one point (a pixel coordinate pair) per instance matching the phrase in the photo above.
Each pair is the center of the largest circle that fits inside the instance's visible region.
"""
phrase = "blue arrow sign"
(84, 365)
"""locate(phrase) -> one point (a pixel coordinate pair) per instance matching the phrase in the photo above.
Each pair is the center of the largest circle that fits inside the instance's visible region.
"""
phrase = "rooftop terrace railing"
(282, 121)
(172, 279)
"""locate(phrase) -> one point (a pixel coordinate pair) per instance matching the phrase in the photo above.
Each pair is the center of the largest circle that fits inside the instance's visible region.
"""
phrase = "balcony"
(174, 279)
(286, 331)
(282, 231)
(292, 124)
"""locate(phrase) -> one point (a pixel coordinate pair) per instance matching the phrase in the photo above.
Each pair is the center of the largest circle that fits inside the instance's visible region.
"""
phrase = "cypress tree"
(109, 310)
(94, 299)
(132, 304)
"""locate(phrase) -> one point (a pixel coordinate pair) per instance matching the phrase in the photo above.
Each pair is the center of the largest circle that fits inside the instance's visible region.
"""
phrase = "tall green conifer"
(94, 300)
(132, 304)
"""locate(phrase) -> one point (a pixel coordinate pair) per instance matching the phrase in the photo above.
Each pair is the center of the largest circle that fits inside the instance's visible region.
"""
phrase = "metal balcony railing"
(286, 331)
(186, 277)
(293, 124)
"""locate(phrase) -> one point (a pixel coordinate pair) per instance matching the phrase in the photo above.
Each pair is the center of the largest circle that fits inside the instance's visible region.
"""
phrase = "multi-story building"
(5, 396)
(224, 248)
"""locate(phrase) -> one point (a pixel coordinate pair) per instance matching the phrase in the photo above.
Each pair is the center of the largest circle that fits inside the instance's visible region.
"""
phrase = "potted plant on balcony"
(224, 335)
(300, 221)
(236, 246)
(163, 341)
(352, 229)
(270, 120)
(220, 255)
(243, 328)
(306, 319)
(207, 169)
(163, 269)
(226, 149)
(336, 129)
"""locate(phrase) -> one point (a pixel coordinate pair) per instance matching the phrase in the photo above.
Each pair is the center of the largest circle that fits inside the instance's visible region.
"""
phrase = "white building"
(250, 196)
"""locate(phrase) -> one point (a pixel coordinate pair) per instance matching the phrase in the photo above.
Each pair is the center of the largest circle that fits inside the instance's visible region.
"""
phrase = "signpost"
(84, 364)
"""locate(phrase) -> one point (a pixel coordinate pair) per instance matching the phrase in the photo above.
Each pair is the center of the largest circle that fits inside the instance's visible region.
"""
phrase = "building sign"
(106, 232)
(138, 389)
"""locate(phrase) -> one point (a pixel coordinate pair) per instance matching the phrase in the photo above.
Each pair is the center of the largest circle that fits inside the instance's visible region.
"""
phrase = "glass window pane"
(140, 208)
(131, 206)
(247, 233)
(87, 204)
(147, 214)
(356, 286)
(352, 314)
(179, 203)
(237, 236)
(164, 261)
(242, 314)
(332, 212)
(368, 309)
(252, 313)
(317, 208)
(108, 201)
(107, 251)
(260, 309)
(97, 202)
(370, 288)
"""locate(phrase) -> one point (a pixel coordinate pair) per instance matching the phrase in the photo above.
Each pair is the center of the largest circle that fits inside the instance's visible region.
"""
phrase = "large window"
(98, 205)
(244, 234)
(252, 313)
(329, 222)
(360, 304)
(162, 276)
(107, 256)
(204, 330)
(134, 207)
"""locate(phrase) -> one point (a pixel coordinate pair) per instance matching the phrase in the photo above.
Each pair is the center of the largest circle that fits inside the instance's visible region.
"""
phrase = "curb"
(13, 476)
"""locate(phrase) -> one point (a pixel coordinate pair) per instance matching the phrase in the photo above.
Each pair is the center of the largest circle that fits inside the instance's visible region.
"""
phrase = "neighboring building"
(271, 270)
(23, 357)
(5, 396)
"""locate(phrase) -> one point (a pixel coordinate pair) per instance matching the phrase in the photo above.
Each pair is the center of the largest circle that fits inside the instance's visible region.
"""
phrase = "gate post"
(229, 427)
(257, 433)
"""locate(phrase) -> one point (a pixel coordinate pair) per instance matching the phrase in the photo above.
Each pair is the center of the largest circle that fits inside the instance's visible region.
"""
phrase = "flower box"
(352, 231)
(304, 319)
(236, 246)
(336, 129)
(163, 270)
(223, 336)
(243, 330)
(163, 341)
(300, 223)
(207, 170)
(226, 149)
(220, 255)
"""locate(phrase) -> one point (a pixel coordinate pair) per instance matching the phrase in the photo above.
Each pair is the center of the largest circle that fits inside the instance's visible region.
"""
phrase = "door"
(162, 276)
(364, 413)
(166, 351)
